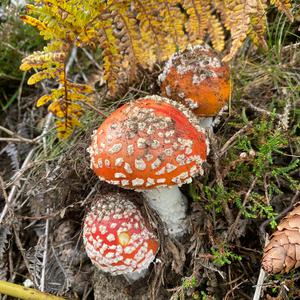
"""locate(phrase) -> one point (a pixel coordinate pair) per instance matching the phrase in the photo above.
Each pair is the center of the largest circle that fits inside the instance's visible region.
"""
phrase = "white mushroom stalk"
(116, 237)
(152, 145)
(171, 205)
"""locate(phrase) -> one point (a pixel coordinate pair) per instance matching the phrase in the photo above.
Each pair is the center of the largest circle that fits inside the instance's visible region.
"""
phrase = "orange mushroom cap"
(149, 143)
(198, 78)
(116, 237)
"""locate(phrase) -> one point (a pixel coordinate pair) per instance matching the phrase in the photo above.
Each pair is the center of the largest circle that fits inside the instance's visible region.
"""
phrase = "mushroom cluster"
(153, 145)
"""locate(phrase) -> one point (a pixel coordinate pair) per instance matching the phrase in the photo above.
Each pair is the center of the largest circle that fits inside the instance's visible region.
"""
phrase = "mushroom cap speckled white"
(148, 143)
(198, 78)
(116, 238)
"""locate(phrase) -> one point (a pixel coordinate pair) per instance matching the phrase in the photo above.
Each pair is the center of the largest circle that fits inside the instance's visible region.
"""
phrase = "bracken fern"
(131, 34)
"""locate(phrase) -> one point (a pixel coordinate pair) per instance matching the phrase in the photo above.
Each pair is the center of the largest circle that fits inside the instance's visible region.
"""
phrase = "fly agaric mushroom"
(116, 237)
(155, 145)
(282, 253)
(199, 79)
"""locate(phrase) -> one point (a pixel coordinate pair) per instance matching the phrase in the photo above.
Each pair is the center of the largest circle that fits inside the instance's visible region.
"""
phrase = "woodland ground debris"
(227, 208)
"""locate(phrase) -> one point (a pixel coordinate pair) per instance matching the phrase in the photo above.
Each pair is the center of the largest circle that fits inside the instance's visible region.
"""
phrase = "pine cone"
(282, 253)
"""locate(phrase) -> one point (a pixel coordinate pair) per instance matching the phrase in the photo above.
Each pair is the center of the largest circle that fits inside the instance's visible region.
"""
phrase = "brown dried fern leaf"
(132, 35)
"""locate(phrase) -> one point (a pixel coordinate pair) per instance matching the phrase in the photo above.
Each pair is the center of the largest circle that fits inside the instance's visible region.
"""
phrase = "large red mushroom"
(117, 238)
(153, 145)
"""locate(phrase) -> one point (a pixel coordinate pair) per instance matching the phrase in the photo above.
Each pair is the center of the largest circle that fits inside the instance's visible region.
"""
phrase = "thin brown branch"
(15, 137)
(95, 109)
(256, 108)
(22, 250)
(232, 140)
(280, 215)
(219, 180)
(237, 219)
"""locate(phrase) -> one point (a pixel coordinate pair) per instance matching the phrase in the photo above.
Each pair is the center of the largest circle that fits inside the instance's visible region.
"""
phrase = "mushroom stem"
(206, 122)
(170, 204)
(134, 276)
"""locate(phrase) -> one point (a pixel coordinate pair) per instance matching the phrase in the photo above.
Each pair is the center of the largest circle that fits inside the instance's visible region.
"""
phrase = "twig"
(14, 189)
(20, 90)
(88, 196)
(237, 219)
(71, 59)
(16, 137)
(284, 119)
(15, 185)
(42, 284)
(292, 46)
(259, 285)
(233, 139)
(256, 108)
(207, 266)
(59, 263)
(2, 186)
(234, 288)
(22, 250)
(16, 140)
(89, 56)
(261, 277)
(138, 90)
(284, 212)
(227, 211)
(45, 256)
(21, 292)
(95, 109)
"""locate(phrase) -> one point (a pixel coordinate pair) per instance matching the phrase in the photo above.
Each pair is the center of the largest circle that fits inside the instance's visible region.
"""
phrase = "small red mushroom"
(151, 144)
(116, 237)
(197, 78)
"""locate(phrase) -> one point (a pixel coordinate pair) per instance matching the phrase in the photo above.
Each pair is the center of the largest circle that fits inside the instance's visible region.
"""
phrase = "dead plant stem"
(233, 139)
(226, 209)
(237, 219)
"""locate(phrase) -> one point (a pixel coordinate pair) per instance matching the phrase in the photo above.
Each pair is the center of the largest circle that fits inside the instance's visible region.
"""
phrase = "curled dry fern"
(132, 35)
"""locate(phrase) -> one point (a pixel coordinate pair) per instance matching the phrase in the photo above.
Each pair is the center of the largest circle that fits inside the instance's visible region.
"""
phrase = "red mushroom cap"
(149, 143)
(197, 78)
(116, 237)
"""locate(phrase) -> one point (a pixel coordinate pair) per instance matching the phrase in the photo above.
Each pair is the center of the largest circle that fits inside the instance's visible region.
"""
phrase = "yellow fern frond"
(66, 128)
(42, 60)
(126, 32)
(216, 33)
(34, 22)
(173, 22)
(237, 14)
(43, 100)
(285, 7)
(111, 55)
(80, 88)
(258, 24)
(54, 95)
(50, 73)
(150, 29)
(133, 36)
(199, 13)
